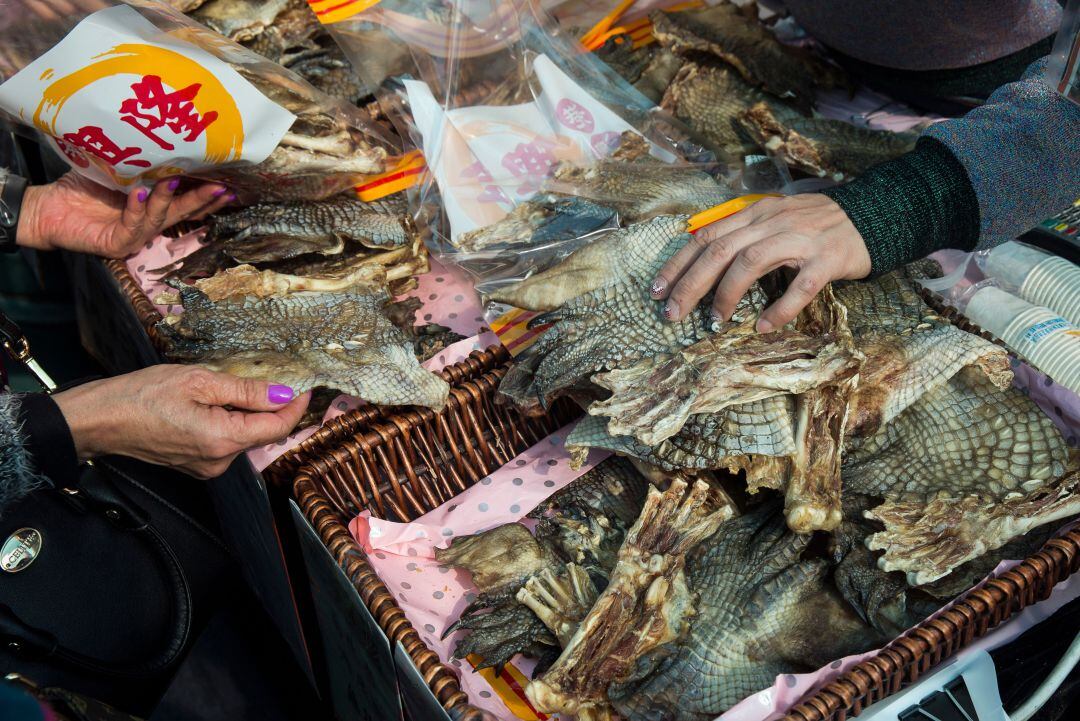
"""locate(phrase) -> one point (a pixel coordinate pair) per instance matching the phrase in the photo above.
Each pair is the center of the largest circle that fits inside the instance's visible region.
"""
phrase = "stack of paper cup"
(1038, 277)
(1038, 334)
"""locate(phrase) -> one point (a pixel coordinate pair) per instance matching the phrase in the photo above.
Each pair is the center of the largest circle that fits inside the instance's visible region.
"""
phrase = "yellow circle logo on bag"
(127, 102)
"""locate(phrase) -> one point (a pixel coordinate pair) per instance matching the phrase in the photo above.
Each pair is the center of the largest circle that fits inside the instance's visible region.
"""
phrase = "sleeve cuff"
(909, 207)
(48, 439)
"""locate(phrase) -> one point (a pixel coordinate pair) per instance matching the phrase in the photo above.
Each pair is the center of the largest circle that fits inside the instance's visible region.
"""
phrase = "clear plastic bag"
(136, 91)
(517, 123)
(1063, 68)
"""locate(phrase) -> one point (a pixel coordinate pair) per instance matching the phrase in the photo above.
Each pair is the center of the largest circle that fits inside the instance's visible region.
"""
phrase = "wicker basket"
(283, 469)
(145, 311)
(406, 464)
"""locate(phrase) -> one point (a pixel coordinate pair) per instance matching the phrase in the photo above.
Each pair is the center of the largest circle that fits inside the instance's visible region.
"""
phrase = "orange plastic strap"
(510, 685)
(640, 30)
(606, 22)
(334, 11)
(715, 213)
(406, 172)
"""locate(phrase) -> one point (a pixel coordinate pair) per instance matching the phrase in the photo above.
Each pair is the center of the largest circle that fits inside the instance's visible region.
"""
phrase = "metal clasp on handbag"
(18, 347)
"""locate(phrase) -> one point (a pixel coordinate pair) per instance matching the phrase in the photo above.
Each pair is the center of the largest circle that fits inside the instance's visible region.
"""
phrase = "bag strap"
(100, 495)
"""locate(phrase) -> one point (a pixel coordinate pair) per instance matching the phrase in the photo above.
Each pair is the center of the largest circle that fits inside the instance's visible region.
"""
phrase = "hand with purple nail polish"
(107, 222)
(185, 417)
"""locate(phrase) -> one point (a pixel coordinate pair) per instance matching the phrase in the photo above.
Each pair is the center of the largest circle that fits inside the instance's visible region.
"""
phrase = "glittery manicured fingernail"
(658, 287)
(764, 326)
(279, 394)
(671, 310)
(174, 184)
(141, 195)
(219, 192)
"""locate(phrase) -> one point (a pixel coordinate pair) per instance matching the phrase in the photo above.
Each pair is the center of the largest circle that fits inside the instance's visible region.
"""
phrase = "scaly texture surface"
(653, 398)
(603, 314)
(338, 340)
(638, 185)
(726, 439)
(748, 47)
(760, 611)
(820, 146)
(909, 348)
(646, 603)
(534, 590)
(710, 100)
(963, 470)
(375, 225)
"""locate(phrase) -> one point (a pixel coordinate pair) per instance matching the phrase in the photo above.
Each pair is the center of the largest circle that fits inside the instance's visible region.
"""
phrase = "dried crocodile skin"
(711, 99)
(545, 218)
(338, 340)
(603, 314)
(375, 225)
(637, 185)
(584, 523)
(646, 603)
(725, 440)
(653, 398)
(760, 611)
(822, 147)
(238, 19)
(747, 46)
(963, 470)
(909, 348)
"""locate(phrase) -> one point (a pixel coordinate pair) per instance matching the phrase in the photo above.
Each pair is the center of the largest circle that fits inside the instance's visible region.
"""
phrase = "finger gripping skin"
(646, 604)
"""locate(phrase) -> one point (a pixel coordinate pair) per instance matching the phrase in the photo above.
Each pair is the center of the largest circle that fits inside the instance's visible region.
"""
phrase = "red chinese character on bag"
(152, 109)
(93, 140)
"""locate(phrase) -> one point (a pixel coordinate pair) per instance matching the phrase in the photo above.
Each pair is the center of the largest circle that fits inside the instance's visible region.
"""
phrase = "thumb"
(256, 429)
(222, 389)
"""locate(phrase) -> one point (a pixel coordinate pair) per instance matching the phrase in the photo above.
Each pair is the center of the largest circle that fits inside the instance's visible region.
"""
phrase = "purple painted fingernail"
(671, 310)
(141, 195)
(658, 287)
(220, 192)
(232, 197)
(279, 394)
(174, 184)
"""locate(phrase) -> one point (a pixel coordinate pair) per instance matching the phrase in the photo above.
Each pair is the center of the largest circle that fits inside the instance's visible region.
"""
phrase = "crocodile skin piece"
(761, 610)
(306, 339)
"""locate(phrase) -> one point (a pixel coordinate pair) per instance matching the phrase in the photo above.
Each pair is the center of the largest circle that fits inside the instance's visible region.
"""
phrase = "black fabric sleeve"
(909, 207)
(48, 439)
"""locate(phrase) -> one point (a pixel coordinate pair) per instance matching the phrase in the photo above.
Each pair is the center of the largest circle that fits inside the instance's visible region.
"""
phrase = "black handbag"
(101, 585)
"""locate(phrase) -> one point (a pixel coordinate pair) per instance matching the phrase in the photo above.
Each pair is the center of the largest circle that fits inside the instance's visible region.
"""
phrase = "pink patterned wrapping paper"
(446, 292)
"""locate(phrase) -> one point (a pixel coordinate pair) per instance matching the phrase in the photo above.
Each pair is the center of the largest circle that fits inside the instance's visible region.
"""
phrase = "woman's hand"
(186, 417)
(75, 213)
(809, 233)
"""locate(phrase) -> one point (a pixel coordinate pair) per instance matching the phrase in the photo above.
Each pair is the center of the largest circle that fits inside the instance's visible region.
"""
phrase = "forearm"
(909, 207)
(972, 182)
